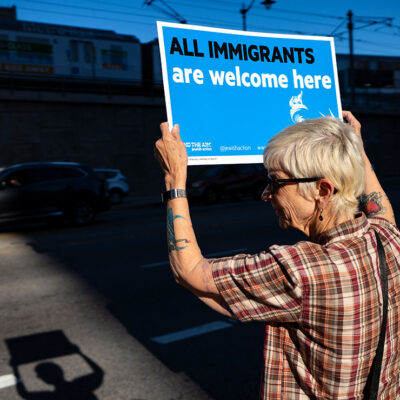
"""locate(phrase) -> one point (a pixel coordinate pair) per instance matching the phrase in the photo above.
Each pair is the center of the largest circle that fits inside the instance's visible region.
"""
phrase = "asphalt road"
(100, 303)
(95, 311)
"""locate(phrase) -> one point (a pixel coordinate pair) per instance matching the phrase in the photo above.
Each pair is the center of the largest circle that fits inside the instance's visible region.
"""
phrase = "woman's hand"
(171, 153)
(352, 121)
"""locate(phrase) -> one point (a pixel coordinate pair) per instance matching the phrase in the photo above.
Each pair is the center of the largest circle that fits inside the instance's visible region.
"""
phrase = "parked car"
(54, 191)
(210, 184)
(117, 185)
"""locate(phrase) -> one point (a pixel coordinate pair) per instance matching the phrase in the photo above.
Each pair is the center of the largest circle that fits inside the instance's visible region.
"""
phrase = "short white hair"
(323, 147)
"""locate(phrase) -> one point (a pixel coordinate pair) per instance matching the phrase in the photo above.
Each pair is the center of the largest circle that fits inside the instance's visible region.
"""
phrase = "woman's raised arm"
(374, 201)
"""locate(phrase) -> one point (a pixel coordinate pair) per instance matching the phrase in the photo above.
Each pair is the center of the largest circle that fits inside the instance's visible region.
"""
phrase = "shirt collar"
(351, 228)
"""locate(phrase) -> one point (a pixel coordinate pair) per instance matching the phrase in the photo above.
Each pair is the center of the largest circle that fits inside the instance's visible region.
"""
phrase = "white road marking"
(225, 253)
(7, 380)
(158, 264)
(188, 333)
(219, 254)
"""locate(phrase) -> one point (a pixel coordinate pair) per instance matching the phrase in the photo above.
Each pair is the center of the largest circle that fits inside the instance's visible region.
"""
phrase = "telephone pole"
(244, 10)
(352, 24)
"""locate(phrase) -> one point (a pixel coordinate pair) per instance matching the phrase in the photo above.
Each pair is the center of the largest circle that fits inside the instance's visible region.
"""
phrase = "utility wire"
(337, 28)
(307, 13)
(86, 16)
(147, 16)
(264, 15)
(86, 8)
(286, 11)
(207, 20)
(217, 24)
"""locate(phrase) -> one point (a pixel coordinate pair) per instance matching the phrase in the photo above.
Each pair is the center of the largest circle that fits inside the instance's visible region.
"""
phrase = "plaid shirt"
(322, 305)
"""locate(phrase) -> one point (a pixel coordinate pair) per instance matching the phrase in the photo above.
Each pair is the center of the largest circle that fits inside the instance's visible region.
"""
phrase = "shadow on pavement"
(38, 353)
(109, 256)
(226, 363)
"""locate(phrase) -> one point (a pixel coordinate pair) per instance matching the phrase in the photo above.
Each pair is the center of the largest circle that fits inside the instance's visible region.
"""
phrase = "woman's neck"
(329, 221)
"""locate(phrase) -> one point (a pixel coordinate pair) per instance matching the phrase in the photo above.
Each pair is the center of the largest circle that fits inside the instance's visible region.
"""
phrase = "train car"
(37, 49)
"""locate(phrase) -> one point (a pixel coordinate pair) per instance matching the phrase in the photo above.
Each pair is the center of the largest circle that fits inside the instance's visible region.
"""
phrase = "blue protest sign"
(231, 91)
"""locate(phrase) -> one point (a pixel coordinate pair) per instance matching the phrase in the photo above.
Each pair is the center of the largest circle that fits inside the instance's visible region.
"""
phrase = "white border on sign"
(242, 33)
(335, 74)
(232, 159)
(226, 160)
(160, 25)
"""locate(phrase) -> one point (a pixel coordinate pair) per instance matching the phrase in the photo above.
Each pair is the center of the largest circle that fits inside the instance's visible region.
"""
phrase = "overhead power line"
(86, 16)
(307, 13)
(166, 9)
(136, 14)
(220, 15)
(256, 15)
(85, 8)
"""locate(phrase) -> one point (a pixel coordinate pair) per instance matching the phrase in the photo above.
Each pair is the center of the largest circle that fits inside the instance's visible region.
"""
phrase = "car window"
(212, 172)
(100, 174)
(246, 169)
(72, 173)
(19, 178)
(46, 174)
(110, 174)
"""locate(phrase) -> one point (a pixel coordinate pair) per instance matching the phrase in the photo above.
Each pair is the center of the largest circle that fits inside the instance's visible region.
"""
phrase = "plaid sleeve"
(387, 225)
(259, 287)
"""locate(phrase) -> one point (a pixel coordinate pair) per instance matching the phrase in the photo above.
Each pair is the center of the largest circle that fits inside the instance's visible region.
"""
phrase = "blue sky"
(308, 17)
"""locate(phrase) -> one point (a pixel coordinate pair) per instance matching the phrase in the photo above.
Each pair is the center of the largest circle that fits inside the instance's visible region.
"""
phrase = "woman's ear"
(325, 189)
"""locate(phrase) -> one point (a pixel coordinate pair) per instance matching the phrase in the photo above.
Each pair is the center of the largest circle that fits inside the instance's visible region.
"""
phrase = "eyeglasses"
(273, 184)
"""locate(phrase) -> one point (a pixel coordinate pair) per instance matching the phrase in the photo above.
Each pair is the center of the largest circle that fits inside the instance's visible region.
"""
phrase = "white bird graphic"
(296, 104)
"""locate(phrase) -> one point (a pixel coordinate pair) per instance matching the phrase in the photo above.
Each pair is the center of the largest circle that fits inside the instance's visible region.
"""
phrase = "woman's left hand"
(171, 153)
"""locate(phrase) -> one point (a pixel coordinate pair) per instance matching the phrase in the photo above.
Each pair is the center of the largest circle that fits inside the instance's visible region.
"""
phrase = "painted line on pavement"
(225, 253)
(158, 264)
(7, 381)
(219, 254)
(188, 333)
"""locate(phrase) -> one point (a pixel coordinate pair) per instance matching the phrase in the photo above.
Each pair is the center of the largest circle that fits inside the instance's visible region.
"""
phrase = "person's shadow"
(80, 388)
(51, 373)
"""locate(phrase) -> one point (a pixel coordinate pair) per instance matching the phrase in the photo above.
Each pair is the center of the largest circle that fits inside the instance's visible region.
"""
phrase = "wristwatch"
(172, 194)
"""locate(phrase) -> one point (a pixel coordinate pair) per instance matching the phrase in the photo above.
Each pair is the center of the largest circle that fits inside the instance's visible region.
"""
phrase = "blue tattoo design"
(172, 242)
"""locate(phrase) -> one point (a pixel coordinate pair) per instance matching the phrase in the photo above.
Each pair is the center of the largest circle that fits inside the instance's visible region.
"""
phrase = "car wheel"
(115, 197)
(211, 196)
(81, 212)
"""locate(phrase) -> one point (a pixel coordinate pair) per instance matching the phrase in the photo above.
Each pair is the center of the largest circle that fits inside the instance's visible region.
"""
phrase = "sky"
(372, 33)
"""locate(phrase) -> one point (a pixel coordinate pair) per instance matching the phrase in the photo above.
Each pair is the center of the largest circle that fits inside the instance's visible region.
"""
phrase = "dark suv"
(210, 184)
(55, 191)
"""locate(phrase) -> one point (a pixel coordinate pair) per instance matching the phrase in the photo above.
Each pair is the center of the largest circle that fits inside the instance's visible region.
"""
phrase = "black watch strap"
(172, 194)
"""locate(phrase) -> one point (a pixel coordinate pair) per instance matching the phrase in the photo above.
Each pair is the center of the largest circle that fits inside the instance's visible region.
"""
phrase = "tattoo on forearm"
(371, 204)
(172, 241)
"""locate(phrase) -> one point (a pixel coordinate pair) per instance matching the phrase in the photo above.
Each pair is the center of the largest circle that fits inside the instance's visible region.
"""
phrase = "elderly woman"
(321, 299)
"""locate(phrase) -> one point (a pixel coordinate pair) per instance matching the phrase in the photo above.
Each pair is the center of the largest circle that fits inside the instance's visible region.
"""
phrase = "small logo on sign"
(296, 105)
